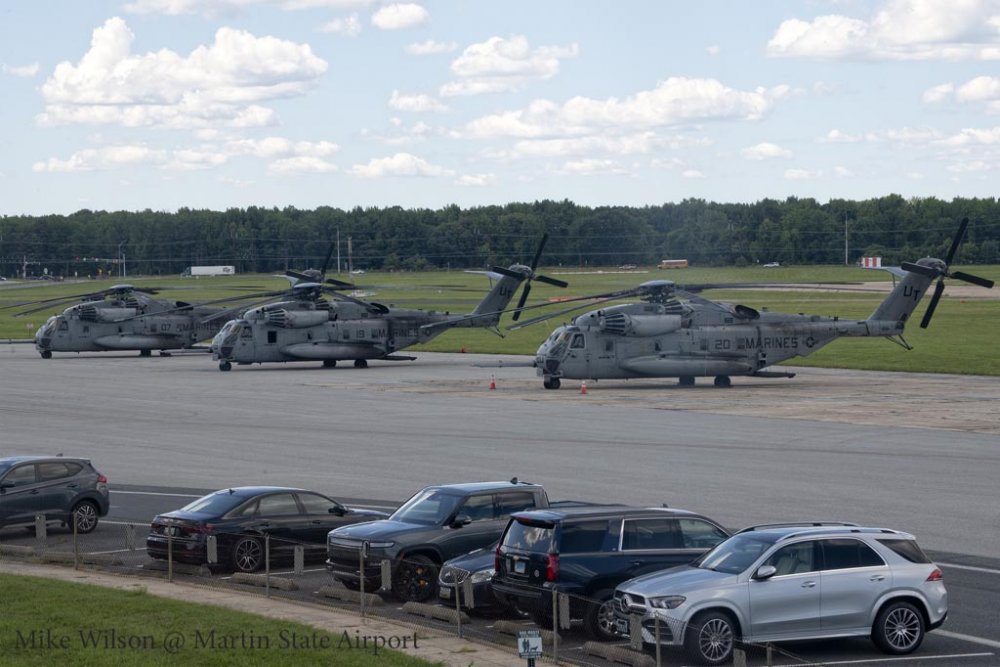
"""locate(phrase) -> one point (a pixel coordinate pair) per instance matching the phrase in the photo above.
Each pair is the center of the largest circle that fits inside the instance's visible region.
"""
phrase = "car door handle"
(73, 486)
(877, 577)
(637, 563)
(317, 522)
(809, 584)
(33, 492)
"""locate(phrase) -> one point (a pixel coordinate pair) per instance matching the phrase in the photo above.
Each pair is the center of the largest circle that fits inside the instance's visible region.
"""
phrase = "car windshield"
(737, 553)
(216, 504)
(430, 507)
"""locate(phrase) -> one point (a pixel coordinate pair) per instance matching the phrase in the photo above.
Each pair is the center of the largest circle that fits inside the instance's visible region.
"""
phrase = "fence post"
(76, 543)
(267, 565)
(130, 536)
(170, 554)
(458, 606)
(555, 625)
(41, 533)
(656, 631)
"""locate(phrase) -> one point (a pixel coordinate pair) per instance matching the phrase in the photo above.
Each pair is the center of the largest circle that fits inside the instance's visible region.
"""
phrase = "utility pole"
(350, 259)
(338, 251)
(845, 240)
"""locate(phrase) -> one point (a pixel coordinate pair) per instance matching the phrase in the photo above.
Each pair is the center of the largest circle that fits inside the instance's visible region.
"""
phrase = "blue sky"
(164, 104)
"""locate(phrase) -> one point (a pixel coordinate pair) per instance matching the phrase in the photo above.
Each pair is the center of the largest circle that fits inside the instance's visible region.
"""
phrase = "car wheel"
(85, 517)
(710, 638)
(351, 585)
(898, 629)
(247, 554)
(599, 619)
(416, 579)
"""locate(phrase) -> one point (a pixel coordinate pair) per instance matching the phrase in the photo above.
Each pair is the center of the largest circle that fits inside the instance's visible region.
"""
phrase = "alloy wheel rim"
(606, 617)
(902, 627)
(86, 517)
(248, 555)
(715, 639)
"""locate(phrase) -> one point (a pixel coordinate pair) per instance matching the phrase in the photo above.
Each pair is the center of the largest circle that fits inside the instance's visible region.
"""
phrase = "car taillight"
(936, 575)
(552, 568)
(496, 559)
(101, 479)
(203, 528)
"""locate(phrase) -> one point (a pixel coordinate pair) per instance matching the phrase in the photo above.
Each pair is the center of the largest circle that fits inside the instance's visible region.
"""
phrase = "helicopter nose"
(551, 365)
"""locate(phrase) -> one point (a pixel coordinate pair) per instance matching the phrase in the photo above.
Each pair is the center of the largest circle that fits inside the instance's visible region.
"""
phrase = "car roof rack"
(796, 524)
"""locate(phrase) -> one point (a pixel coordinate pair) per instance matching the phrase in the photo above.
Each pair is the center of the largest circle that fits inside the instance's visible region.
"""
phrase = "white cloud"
(400, 16)
(23, 71)
(193, 159)
(799, 174)
(400, 164)
(476, 180)
(938, 93)
(300, 164)
(430, 47)
(348, 26)
(503, 65)
(99, 159)
(837, 137)
(591, 166)
(905, 136)
(218, 83)
(674, 101)
(765, 151)
(218, 8)
(979, 89)
(713, 50)
(693, 173)
(973, 136)
(900, 30)
(415, 103)
(843, 172)
(969, 167)
(269, 147)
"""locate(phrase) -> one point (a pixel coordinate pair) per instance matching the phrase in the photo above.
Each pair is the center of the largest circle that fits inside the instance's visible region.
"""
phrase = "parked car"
(62, 488)
(438, 523)
(773, 265)
(587, 551)
(478, 566)
(773, 584)
(241, 518)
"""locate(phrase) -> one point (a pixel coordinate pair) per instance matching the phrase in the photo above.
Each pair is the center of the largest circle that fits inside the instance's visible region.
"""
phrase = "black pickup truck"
(435, 525)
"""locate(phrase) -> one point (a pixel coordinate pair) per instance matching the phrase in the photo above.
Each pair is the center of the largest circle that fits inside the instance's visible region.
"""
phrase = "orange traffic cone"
(583, 387)
(493, 382)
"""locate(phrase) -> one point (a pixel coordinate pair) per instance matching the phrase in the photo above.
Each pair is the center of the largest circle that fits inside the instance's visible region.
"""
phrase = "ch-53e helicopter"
(305, 326)
(122, 317)
(676, 333)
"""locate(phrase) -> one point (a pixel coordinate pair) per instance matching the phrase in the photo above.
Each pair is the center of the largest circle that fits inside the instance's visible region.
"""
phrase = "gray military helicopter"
(675, 333)
(122, 317)
(307, 326)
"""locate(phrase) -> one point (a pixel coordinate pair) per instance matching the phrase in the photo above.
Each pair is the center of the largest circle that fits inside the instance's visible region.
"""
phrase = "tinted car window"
(794, 559)
(580, 537)
(429, 508)
(21, 475)
(656, 533)
(58, 470)
(908, 549)
(523, 537)
(515, 502)
(846, 553)
(478, 508)
(698, 534)
(215, 504)
(277, 504)
(313, 503)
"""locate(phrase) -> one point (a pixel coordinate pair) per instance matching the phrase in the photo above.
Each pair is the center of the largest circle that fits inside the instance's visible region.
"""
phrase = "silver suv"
(784, 583)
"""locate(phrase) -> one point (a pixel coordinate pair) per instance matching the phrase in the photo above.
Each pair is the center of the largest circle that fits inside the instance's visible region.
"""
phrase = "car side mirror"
(336, 509)
(6, 485)
(765, 572)
(461, 520)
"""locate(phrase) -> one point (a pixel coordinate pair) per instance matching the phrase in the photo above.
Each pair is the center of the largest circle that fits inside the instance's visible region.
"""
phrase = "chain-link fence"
(415, 589)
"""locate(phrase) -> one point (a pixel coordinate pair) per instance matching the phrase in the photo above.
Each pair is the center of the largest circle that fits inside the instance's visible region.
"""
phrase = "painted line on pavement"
(992, 643)
(971, 568)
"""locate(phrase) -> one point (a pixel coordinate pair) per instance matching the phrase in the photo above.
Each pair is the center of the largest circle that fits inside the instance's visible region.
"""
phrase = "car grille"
(453, 575)
(629, 603)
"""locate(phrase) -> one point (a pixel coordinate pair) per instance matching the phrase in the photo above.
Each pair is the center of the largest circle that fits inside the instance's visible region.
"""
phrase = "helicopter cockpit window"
(578, 343)
(272, 336)
(63, 325)
(246, 331)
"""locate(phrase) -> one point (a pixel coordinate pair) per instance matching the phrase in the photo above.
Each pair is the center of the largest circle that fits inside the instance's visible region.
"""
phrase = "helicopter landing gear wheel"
(46, 354)
(686, 380)
(145, 353)
(329, 363)
(361, 363)
(551, 383)
(723, 381)
(225, 366)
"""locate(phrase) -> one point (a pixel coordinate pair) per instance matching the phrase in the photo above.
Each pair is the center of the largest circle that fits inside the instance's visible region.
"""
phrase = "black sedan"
(242, 518)
(479, 566)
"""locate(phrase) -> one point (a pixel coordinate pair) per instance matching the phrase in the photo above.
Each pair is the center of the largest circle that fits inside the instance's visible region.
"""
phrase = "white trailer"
(209, 271)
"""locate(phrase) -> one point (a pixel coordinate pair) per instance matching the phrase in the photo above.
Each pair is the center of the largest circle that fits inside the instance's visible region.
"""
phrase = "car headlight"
(667, 602)
(483, 575)
(380, 545)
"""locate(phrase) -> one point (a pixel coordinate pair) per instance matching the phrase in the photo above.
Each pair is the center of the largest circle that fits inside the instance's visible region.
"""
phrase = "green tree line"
(260, 240)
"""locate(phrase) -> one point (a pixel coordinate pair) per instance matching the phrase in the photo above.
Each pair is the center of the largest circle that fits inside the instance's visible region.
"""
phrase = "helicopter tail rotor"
(531, 275)
(940, 270)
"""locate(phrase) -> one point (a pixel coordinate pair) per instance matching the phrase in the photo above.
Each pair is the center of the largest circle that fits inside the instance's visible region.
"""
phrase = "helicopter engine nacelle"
(623, 324)
(94, 314)
(297, 319)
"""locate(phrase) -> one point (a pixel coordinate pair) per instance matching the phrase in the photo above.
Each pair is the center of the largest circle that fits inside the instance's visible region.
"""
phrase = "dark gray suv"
(59, 487)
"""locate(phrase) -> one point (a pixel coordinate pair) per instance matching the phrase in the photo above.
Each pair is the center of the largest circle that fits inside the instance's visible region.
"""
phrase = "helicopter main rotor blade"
(956, 241)
(369, 305)
(326, 260)
(552, 281)
(538, 253)
(548, 316)
(975, 280)
(938, 289)
(340, 283)
(521, 301)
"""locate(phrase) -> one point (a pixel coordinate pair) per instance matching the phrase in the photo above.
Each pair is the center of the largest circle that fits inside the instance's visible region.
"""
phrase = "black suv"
(61, 488)
(587, 551)
(435, 525)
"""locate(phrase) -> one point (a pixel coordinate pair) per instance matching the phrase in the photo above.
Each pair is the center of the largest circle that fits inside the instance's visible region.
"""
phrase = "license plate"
(520, 566)
(172, 531)
(621, 625)
(445, 593)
